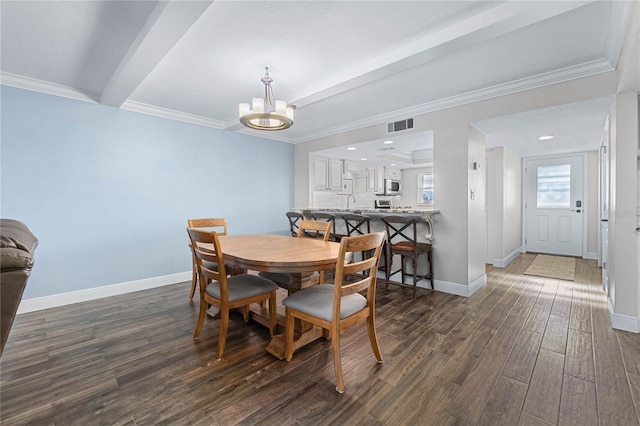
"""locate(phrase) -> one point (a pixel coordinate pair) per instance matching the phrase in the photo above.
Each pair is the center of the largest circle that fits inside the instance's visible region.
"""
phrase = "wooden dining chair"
(306, 229)
(337, 306)
(226, 293)
(212, 224)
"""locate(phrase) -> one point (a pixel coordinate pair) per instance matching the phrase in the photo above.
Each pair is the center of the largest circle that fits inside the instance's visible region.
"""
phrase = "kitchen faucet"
(350, 196)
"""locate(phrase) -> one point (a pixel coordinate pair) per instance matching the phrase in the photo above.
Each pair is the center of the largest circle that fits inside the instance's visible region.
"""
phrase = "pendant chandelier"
(263, 114)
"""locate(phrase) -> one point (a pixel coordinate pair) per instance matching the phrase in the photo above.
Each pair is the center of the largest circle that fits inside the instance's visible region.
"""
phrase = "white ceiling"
(345, 65)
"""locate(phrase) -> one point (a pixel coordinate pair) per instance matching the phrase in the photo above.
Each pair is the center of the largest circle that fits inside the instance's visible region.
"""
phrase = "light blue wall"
(108, 192)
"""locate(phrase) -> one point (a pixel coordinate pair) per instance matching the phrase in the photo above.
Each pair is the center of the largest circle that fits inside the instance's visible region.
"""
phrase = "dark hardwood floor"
(523, 350)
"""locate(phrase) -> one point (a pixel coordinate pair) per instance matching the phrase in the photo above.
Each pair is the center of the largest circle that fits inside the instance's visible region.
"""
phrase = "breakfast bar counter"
(425, 228)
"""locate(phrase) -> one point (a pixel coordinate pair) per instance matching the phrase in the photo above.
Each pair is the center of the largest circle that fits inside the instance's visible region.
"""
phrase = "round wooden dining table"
(279, 253)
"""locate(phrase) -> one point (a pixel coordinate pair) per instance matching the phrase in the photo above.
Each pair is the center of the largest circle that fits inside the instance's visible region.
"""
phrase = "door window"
(554, 186)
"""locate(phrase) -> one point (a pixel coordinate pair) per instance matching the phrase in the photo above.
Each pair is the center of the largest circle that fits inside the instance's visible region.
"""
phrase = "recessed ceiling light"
(545, 137)
(363, 159)
(392, 164)
(351, 148)
(387, 142)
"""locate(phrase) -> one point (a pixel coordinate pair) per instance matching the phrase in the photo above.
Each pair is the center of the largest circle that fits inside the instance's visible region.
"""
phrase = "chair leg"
(288, 334)
(224, 325)
(245, 313)
(273, 314)
(415, 275)
(194, 278)
(201, 315)
(388, 260)
(373, 337)
(337, 363)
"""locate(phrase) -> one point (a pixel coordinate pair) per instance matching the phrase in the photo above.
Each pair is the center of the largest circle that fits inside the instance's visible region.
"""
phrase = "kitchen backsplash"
(331, 200)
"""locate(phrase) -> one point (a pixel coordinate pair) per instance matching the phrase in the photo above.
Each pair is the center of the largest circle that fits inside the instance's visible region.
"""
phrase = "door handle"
(577, 211)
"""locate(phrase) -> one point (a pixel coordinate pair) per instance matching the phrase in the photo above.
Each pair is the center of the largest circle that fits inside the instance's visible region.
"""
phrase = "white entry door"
(554, 205)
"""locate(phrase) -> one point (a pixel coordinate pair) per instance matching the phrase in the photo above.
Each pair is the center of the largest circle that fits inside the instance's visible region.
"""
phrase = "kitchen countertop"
(425, 226)
(376, 211)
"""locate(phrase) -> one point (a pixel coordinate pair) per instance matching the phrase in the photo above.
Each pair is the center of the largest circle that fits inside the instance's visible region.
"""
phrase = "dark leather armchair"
(16, 261)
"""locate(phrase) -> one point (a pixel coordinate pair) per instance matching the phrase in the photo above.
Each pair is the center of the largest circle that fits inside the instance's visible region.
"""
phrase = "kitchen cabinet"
(391, 173)
(353, 167)
(372, 173)
(327, 174)
(379, 187)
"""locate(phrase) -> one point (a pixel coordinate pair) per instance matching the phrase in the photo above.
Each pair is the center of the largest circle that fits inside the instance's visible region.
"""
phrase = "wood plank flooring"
(523, 350)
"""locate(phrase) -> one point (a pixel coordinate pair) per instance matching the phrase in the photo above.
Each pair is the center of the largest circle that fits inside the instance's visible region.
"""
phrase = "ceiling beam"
(168, 22)
(494, 22)
(497, 21)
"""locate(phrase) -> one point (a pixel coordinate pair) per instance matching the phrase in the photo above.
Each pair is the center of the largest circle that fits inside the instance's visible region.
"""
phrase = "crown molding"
(620, 16)
(41, 86)
(48, 88)
(570, 73)
(566, 74)
(171, 114)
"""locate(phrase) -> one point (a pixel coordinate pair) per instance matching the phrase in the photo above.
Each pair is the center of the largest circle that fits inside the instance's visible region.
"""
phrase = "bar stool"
(358, 224)
(327, 217)
(402, 233)
(294, 218)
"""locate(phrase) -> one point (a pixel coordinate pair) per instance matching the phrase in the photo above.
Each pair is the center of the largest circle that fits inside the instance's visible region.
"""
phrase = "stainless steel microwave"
(392, 187)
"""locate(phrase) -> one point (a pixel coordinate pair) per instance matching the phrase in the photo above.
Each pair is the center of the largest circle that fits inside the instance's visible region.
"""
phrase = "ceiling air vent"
(399, 126)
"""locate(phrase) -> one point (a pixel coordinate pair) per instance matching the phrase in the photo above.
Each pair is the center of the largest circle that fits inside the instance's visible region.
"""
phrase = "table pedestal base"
(276, 346)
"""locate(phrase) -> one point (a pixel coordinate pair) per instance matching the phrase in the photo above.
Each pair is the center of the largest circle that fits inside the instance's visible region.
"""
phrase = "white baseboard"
(461, 289)
(501, 263)
(591, 256)
(445, 286)
(477, 284)
(622, 322)
(55, 300)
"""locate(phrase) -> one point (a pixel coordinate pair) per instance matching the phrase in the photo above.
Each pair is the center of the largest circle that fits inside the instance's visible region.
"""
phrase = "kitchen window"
(425, 188)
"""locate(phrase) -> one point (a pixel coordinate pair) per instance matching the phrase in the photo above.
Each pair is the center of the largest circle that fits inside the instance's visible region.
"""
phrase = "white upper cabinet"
(391, 173)
(372, 173)
(335, 175)
(354, 167)
(379, 189)
(320, 173)
(327, 174)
